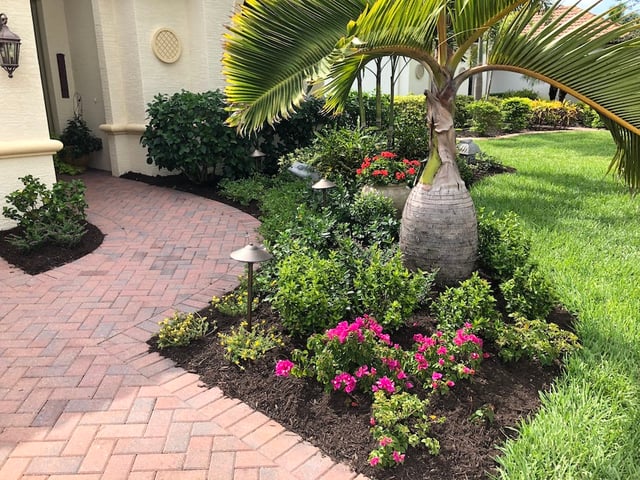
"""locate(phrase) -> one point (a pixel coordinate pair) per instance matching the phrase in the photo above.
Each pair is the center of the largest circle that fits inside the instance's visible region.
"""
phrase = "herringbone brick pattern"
(80, 396)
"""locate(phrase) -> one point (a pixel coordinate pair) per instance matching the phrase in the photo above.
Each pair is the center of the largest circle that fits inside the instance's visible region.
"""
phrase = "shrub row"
(186, 131)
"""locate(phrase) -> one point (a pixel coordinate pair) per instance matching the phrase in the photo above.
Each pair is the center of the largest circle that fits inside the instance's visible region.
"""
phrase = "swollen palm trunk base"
(439, 231)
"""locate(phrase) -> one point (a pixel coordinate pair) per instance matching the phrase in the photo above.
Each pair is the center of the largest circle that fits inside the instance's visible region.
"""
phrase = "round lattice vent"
(166, 45)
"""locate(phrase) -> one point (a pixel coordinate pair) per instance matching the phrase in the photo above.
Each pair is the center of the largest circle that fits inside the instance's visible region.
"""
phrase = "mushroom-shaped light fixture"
(250, 254)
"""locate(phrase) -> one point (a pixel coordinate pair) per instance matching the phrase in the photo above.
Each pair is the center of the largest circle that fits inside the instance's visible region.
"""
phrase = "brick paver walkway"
(81, 398)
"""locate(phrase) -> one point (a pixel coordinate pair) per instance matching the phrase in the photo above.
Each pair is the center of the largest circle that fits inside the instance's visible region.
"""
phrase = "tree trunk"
(439, 228)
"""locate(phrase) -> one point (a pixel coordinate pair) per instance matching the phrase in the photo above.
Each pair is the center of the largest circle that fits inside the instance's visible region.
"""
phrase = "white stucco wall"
(25, 147)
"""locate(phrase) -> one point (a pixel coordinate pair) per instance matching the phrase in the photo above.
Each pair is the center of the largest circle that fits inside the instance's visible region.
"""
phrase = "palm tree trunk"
(439, 227)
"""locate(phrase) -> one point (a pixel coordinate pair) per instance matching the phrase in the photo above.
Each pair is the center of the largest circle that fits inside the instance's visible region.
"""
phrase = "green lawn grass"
(585, 229)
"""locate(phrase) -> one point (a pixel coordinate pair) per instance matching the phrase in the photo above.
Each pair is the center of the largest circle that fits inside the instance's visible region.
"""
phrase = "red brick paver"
(80, 396)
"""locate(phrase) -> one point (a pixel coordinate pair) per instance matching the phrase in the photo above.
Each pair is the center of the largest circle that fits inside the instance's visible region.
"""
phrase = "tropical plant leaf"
(274, 48)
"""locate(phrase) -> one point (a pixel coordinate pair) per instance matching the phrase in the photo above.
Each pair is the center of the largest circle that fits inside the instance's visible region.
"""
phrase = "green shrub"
(340, 151)
(242, 345)
(245, 190)
(553, 114)
(528, 293)
(297, 131)
(78, 139)
(181, 329)
(471, 302)
(523, 93)
(387, 289)
(373, 220)
(466, 173)
(410, 132)
(311, 292)
(461, 115)
(55, 215)
(534, 339)
(516, 114)
(486, 118)
(187, 132)
(279, 207)
(503, 245)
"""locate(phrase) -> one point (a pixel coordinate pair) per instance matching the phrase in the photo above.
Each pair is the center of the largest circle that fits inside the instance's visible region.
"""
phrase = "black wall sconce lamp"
(9, 47)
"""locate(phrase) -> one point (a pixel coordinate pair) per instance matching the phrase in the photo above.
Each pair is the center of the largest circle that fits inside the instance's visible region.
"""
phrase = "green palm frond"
(625, 162)
(406, 28)
(587, 57)
(471, 18)
(274, 48)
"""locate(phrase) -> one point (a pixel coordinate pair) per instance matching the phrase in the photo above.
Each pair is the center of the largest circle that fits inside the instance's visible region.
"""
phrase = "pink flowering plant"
(443, 358)
(349, 357)
(387, 168)
(359, 357)
(397, 422)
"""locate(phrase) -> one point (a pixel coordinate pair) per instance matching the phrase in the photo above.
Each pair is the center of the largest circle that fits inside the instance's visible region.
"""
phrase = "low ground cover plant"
(181, 329)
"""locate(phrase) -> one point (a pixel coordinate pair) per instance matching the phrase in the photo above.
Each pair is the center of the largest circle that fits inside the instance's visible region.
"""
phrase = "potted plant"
(79, 142)
(388, 175)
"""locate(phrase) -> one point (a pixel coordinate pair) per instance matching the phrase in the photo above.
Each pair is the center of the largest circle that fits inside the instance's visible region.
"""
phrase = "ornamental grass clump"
(387, 168)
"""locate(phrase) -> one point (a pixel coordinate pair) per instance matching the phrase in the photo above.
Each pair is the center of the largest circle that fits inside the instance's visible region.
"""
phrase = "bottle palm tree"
(276, 50)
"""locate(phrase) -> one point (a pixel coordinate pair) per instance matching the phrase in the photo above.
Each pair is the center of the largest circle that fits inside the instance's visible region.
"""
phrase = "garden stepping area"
(81, 396)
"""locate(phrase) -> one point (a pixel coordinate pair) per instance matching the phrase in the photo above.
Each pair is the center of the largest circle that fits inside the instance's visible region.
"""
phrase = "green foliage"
(64, 168)
(461, 114)
(503, 245)
(245, 190)
(351, 116)
(410, 133)
(471, 302)
(181, 329)
(279, 207)
(387, 289)
(400, 421)
(242, 345)
(486, 118)
(297, 131)
(55, 215)
(78, 139)
(311, 292)
(234, 304)
(516, 114)
(528, 293)
(535, 340)
(553, 114)
(466, 173)
(373, 220)
(524, 93)
(340, 151)
(187, 132)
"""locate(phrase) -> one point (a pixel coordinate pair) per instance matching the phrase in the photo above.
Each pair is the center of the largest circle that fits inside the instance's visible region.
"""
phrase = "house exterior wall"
(132, 74)
(25, 147)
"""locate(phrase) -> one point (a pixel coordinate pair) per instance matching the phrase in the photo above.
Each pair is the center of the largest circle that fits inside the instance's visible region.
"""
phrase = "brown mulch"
(337, 424)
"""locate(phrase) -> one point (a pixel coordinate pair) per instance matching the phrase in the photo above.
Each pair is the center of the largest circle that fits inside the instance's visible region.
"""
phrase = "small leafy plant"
(528, 293)
(243, 345)
(78, 139)
(471, 302)
(397, 422)
(503, 245)
(234, 304)
(55, 215)
(181, 329)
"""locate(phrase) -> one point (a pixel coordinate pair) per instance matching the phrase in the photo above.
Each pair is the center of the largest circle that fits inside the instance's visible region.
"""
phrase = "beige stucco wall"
(25, 147)
(132, 75)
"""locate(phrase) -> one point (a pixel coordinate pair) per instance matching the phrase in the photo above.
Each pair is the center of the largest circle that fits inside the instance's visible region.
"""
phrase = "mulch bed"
(336, 423)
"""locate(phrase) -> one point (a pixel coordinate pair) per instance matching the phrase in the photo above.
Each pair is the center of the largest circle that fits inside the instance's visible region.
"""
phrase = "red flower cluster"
(387, 169)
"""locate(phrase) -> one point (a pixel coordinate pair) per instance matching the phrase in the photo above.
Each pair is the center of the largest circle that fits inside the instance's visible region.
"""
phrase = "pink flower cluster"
(447, 357)
(284, 367)
(343, 330)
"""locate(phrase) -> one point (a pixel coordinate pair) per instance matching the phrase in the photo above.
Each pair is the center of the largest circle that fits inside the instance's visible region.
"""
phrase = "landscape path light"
(250, 254)
(323, 185)
(258, 156)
